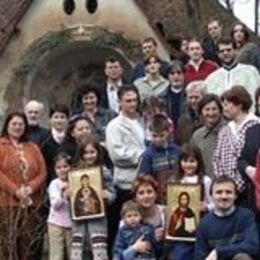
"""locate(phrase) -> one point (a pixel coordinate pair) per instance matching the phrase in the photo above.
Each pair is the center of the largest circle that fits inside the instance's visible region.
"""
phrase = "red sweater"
(10, 172)
(205, 68)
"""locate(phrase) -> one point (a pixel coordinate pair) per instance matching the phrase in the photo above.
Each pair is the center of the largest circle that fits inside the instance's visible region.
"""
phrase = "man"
(113, 71)
(125, 144)
(215, 29)
(228, 232)
(175, 95)
(197, 67)
(34, 112)
(153, 84)
(149, 47)
(189, 121)
(231, 73)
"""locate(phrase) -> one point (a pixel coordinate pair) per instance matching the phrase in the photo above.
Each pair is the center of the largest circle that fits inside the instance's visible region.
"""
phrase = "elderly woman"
(247, 52)
(210, 111)
(99, 116)
(22, 175)
(231, 138)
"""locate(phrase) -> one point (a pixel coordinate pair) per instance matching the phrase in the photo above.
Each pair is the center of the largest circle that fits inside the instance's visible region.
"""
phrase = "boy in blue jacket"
(134, 239)
(160, 158)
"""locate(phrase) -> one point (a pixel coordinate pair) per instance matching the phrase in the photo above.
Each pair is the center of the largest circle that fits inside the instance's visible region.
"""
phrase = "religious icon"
(183, 201)
(86, 188)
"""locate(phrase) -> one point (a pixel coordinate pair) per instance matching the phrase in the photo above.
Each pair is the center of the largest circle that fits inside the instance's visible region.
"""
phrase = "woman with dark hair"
(99, 116)
(247, 52)
(232, 137)
(210, 111)
(175, 94)
(22, 176)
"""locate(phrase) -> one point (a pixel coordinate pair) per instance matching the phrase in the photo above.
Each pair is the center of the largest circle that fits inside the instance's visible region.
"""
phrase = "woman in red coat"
(22, 177)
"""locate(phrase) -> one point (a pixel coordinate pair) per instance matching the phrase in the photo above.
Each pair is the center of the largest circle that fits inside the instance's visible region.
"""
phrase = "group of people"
(193, 121)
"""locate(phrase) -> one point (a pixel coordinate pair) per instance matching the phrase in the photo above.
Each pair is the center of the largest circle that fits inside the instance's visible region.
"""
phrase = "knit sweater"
(238, 74)
(229, 235)
(11, 175)
(159, 159)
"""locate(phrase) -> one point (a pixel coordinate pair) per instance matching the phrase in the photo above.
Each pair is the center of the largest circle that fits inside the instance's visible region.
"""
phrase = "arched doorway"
(55, 65)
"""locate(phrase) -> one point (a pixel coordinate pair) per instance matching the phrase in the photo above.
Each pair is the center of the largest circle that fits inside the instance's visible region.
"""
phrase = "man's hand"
(212, 255)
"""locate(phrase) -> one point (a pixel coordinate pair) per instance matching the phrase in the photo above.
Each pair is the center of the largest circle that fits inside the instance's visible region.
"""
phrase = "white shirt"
(57, 136)
(112, 95)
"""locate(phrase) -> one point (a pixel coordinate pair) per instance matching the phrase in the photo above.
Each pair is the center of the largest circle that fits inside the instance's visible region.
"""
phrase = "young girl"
(59, 220)
(191, 170)
(89, 237)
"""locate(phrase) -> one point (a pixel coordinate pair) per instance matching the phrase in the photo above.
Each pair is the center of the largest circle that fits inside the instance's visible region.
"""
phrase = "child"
(55, 140)
(160, 157)
(191, 170)
(59, 220)
(151, 107)
(134, 240)
(89, 237)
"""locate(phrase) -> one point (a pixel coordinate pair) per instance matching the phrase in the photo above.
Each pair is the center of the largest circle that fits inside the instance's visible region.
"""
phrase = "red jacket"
(205, 68)
(11, 176)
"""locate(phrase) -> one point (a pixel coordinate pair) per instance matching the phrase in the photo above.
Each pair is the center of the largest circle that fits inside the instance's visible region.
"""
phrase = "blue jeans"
(182, 251)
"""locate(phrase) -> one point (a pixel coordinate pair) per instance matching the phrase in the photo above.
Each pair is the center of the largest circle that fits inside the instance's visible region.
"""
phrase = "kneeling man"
(228, 232)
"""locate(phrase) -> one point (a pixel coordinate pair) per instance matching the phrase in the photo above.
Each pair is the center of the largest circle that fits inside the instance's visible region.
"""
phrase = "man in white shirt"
(125, 144)
(231, 73)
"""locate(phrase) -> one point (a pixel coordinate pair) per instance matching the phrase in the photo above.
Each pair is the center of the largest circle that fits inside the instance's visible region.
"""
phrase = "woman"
(22, 175)
(99, 116)
(231, 138)
(145, 193)
(80, 129)
(210, 111)
(247, 52)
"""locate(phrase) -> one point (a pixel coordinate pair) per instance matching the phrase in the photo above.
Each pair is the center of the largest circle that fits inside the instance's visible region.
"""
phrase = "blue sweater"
(229, 235)
(159, 159)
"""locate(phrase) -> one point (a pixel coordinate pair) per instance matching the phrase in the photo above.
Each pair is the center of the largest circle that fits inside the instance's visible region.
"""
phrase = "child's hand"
(203, 206)
(141, 246)
(65, 190)
(105, 194)
(159, 233)
(66, 193)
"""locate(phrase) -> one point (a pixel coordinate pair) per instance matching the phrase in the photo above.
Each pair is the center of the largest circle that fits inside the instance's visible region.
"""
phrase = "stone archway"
(54, 65)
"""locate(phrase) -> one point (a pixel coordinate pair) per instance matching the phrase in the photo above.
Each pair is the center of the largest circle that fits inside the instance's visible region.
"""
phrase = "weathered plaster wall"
(42, 16)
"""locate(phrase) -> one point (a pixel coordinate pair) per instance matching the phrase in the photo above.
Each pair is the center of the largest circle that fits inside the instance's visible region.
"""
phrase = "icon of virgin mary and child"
(87, 201)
